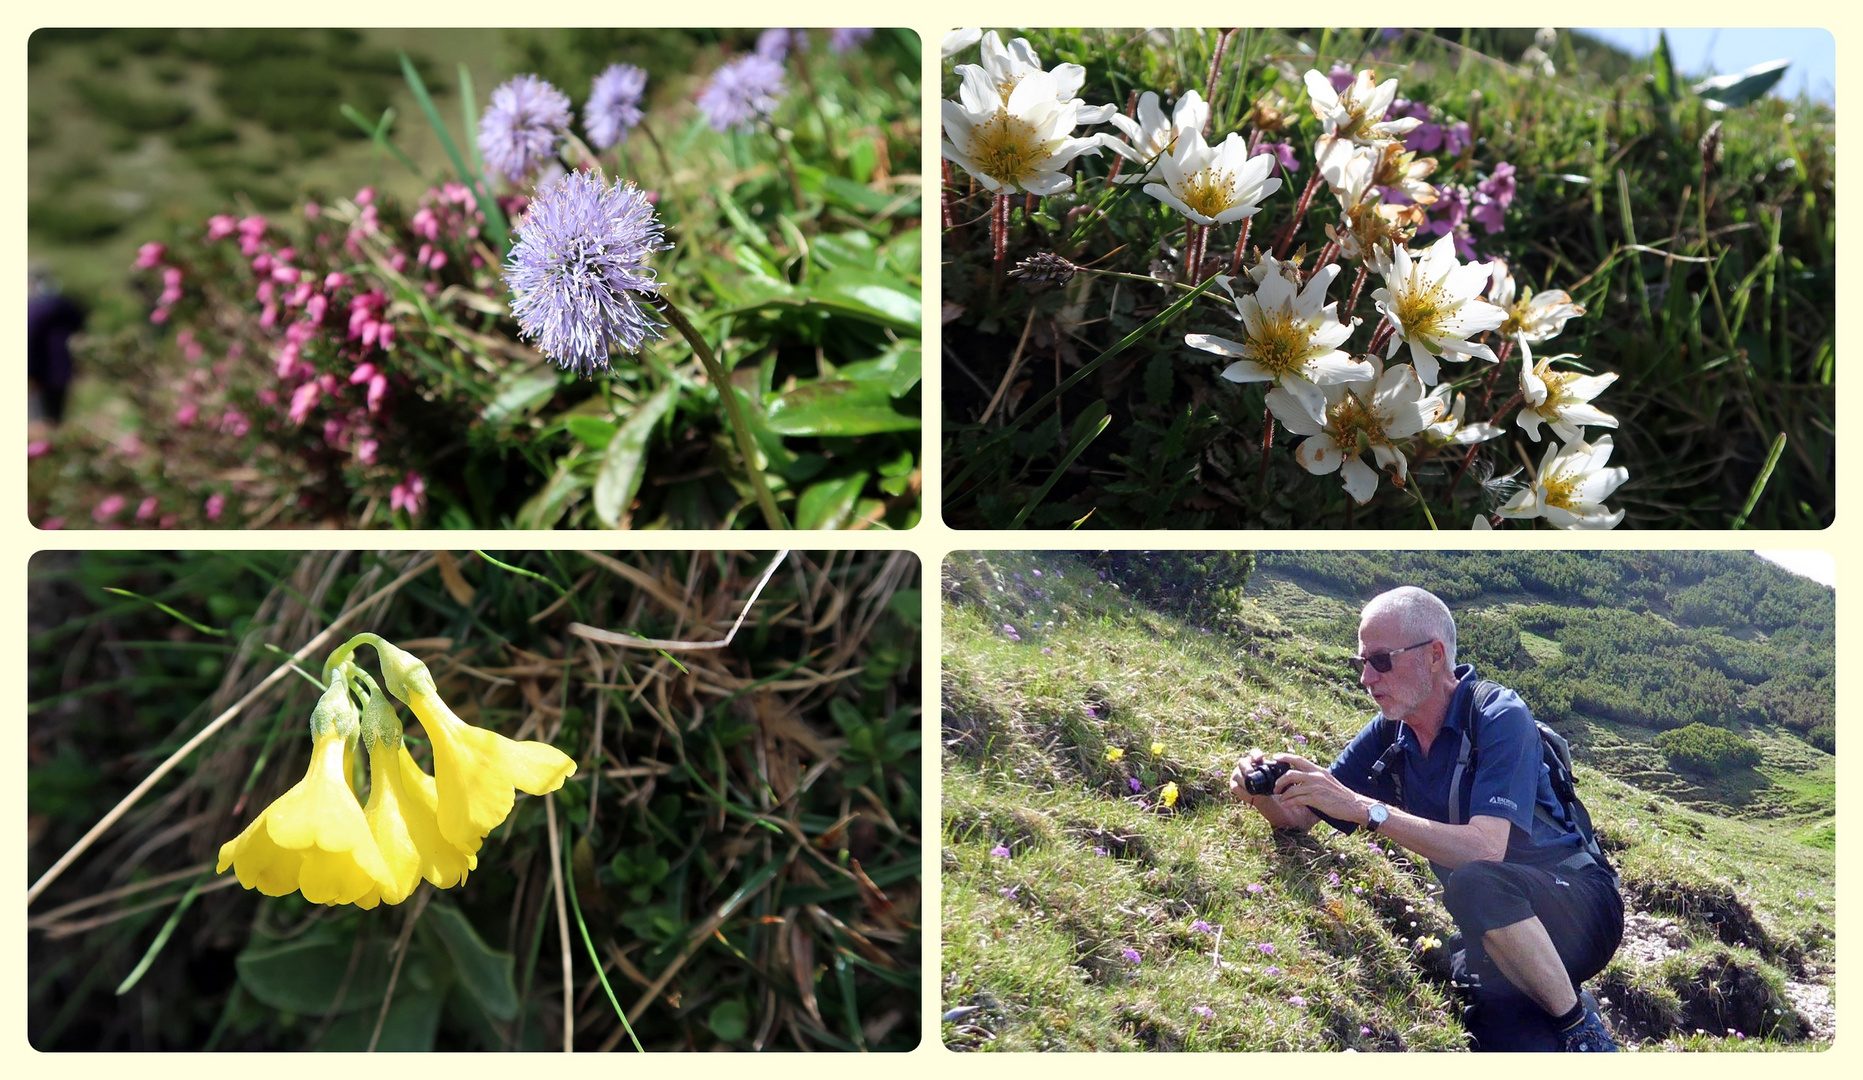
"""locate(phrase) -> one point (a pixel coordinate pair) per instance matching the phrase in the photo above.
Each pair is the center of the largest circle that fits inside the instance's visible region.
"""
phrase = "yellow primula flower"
(314, 839)
(1157, 749)
(1169, 795)
(1113, 753)
(474, 770)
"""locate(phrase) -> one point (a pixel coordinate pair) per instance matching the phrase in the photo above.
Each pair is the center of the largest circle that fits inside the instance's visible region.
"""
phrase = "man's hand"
(1310, 787)
(1280, 814)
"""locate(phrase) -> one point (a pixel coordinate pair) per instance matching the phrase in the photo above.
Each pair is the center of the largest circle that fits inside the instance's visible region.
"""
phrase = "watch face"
(1378, 815)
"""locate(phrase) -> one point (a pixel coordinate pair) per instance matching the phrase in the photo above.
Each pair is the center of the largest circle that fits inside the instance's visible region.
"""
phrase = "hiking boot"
(1589, 1035)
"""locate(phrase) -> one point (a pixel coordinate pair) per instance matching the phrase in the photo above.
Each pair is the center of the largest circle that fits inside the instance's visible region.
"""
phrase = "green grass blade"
(1759, 482)
(1067, 462)
(161, 938)
(167, 610)
(497, 231)
(378, 133)
(469, 112)
(589, 943)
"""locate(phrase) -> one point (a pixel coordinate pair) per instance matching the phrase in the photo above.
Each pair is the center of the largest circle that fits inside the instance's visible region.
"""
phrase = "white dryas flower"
(1153, 134)
(1571, 488)
(1432, 302)
(956, 41)
(1357, 115)
(1369, 230)
(1560, 399)
(1007, 67)
(1446, 428)
(1214, 185)
(1535, 316)
(1372, 414)
(1016, 144)
(1291, 336)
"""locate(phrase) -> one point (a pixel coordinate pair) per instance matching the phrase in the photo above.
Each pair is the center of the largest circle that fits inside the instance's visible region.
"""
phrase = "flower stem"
(789, 167)
(1267, 443)
(1300, 211)
(1235, 261)
(734, 411)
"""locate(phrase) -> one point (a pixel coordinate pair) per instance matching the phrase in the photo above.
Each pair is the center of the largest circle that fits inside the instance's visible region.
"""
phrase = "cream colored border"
(932, 540)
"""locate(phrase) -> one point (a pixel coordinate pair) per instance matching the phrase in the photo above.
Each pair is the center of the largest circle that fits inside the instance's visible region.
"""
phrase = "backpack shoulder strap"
(1484, 694)
(1388, 767)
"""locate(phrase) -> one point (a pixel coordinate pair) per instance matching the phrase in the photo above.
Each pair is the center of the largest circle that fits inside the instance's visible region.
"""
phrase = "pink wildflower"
(303, 399)
(149, 255)
(186, 414)
(216, 505)
(409, 496)
(38, 448)
(109, 507)
(148, 508)
(220, 226)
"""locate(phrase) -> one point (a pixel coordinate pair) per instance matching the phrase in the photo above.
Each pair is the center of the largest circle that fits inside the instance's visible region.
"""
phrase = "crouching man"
(1451, 768)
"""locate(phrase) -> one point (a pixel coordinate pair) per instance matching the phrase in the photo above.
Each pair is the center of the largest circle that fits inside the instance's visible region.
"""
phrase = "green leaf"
(1662, 65)
(483, 971)
(898, 368)
(544, 509)
(521, 392)
(902, 253)
(828, 504)
(302, 975)
(907, 604)
(855, 248)
(864, 200)
(730, 1020)
(869, 294)
(1744, 87)
(594, 432)
(838, 407)
(412, 1022)
(620, 476)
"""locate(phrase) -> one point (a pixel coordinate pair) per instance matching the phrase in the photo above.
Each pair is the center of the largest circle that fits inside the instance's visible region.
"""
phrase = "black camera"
(1261, 781)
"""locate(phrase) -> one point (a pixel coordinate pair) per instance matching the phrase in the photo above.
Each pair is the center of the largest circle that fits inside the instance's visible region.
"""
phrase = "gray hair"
(1418, 611)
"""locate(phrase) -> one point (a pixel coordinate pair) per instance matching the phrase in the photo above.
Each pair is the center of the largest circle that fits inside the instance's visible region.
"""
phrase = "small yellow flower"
(1428, 942)
(474, 770)
(1113, 753)
(314, 839)
(1157, 749)
(1169, 795)
(403, 819)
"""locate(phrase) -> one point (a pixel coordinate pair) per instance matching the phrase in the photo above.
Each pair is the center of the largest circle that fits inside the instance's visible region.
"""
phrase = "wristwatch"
(1376, 817)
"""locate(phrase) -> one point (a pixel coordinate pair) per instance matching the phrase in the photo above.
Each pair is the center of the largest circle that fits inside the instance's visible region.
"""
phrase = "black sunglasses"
(1381, 661)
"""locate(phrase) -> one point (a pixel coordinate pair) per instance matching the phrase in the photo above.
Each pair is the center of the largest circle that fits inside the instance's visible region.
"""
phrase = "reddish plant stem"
(1487, 387)
(1235, 261)
(1267, 443)
(999, 228)
(1358, 284)
(1381, 337)
(1300, 212)
(948, 197)
(1216, 63)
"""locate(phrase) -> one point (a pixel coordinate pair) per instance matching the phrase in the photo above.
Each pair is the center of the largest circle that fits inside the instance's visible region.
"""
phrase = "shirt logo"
(1499, 800)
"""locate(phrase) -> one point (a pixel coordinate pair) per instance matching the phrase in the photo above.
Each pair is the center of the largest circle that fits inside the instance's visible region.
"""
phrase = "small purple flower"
(1342, 78)
(1457, 138)
(1037, 573)
(742, 93)
(1202, 927)
(579, 272)
(1100, 851)
(614, 104)
(1301, 739)
(1332, 878)
(1009, 892)
(844, 38)
(518, 132)
(1131, 955)
(1492, 197)
(1010, 629)
(1047, 652)
(1271, 971)
(1204, 1011)
(1000, 851)
(1358, 890)
(1365, 1030)
(1297, 1001)
(1266, 948)
(1255, 888)
(1284, 156)
(1134, 783)
(776, 42)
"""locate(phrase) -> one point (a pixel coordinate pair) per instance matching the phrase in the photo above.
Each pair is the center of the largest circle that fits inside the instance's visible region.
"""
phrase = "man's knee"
(1474, 886)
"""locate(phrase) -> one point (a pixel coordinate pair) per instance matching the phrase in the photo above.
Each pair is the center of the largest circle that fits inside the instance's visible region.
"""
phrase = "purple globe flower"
(776, 42)
(614, 104)
(742, 92)
(579, 272)
(843, 38)
(518, 132)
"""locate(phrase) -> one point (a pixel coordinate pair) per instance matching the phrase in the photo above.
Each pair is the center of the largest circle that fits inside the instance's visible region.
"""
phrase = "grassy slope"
(1034, 942)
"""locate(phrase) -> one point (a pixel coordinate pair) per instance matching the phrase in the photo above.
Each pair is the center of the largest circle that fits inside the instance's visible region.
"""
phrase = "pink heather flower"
(52, 523)
(315, 307)
(1000, 851)
(109, 507)
(409, 496)
(37, 448)
(167, 522)
(312, 211)
(363, 373)
(216, 505)
(148, 508)
(221, 226)
(234, 423)
(186, 414)
(365, 196)
(398, 261)
(378, 389)
(366, 449)
(149, 254)
(303, 399)
(335, 280)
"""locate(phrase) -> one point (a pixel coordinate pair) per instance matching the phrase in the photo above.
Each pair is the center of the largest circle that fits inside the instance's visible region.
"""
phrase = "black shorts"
(1581, 909)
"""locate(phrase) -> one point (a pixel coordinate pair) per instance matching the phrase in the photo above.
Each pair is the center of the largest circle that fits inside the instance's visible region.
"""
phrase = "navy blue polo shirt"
(1510, 776)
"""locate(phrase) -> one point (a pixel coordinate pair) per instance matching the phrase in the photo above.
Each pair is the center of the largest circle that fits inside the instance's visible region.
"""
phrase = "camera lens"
(1261, 781)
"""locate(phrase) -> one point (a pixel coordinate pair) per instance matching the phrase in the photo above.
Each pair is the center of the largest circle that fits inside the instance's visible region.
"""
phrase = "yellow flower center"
(1283, 343)
(1210, 192)
(1562, 490)
(1351, 418)
(1007, 86)
(1516, 318)
(1424, 311)
(1558, 387)
(1007, 149)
